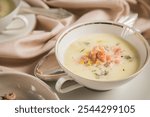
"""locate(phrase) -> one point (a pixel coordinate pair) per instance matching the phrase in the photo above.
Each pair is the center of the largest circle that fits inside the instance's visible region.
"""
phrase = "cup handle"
(23, 19)
(61, 81)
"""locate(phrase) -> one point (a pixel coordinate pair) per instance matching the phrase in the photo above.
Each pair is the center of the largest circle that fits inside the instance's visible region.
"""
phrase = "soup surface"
(101, 57)
(6, 6)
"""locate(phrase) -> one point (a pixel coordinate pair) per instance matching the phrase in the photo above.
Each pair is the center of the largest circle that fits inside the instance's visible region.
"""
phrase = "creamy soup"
(6, 6)
(102, 57)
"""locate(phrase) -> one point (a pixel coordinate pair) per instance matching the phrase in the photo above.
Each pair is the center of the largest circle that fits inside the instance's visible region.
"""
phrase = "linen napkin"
(24, 54)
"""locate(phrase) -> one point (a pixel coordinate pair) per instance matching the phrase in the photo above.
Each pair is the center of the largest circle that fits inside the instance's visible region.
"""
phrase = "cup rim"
(109, 23)
(33, 78)
(15, 9)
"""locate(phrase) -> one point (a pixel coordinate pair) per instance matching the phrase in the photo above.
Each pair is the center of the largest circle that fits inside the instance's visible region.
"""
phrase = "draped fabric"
(24, 53)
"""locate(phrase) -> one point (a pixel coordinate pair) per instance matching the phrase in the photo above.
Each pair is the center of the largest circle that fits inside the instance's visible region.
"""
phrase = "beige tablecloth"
(23, 54)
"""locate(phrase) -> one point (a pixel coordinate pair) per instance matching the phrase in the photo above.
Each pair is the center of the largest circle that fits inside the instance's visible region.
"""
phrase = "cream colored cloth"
(23, 54)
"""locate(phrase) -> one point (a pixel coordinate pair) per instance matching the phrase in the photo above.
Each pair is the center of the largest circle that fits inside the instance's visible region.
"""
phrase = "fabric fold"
(23, 54)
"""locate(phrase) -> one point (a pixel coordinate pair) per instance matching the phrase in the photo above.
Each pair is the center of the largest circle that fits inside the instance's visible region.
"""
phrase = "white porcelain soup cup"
(70, 35)
(25, 87)
(6, 20)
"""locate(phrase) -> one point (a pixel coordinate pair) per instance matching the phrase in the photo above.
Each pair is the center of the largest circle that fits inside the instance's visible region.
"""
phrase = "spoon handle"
(56, 13)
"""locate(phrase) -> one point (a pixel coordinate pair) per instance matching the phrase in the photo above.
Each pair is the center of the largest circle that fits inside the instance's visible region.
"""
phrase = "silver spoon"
(56, 13)
(52, 73)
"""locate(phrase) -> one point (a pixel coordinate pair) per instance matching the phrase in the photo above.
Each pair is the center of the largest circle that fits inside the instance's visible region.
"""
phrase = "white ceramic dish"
(8, 18)
(15, 34)
(25, 87)
(73, 33)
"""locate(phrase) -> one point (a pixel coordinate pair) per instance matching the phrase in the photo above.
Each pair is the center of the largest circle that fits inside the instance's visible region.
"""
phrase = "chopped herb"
(97, 76)
(127, 57)
(86, 43)
(93, 70)
(105, 73)
(82, 50)
(117, 44)
(106, 64)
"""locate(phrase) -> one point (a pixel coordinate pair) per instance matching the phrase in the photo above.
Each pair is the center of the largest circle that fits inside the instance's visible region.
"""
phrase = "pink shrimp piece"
(117, 50)
(117, 60)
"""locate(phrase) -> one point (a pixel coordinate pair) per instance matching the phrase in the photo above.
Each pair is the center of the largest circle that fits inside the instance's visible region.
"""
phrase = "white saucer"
(18, 33)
